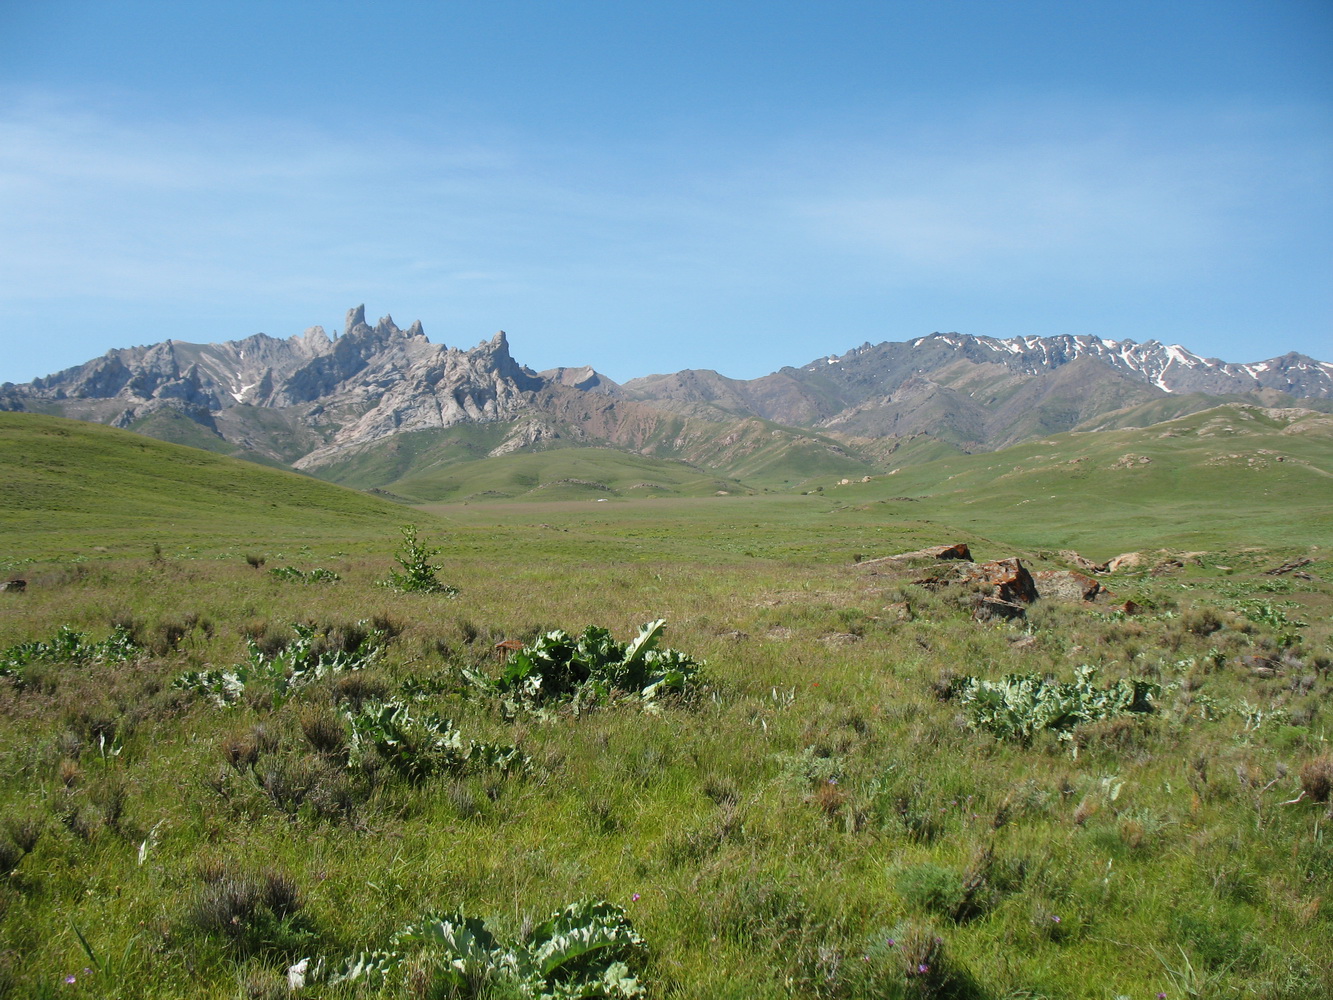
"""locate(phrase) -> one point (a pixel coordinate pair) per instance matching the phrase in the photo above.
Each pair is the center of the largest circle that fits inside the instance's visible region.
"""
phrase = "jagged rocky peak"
(315, 339)
(356, 316)
(384, 331)
(493, 355)
(586, 378)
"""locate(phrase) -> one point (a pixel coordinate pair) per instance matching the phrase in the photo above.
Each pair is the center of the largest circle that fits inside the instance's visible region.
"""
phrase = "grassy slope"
(68, 478)
(563, 473)
(1161, 846)
(1212, 479)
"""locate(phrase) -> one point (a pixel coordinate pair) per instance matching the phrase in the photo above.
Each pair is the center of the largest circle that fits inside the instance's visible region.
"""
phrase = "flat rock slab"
(1083, 563)
(958, 550)
(1067, 585)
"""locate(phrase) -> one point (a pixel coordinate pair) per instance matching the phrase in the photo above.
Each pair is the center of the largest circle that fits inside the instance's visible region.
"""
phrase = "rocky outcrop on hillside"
(367, 383)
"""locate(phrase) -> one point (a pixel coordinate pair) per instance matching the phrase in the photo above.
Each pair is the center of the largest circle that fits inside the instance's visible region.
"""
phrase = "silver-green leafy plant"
(588, 669)
(585, 950)
(1265, 612)
(1019, 706)
(299, 663)
(418, 572)
(69, 646)
(418, 747)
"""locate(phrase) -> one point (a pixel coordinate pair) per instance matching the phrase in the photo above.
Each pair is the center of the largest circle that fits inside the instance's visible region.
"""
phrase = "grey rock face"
(309, 399)
(363, 385)
(978, 392)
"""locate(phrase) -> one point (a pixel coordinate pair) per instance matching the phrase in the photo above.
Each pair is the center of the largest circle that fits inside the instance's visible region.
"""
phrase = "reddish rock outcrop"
(1007, 578)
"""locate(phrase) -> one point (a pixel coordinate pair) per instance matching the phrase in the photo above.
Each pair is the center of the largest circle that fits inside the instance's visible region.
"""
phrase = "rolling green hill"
(67, 478)
(1222, 477)
(562, 474)
(659, 455)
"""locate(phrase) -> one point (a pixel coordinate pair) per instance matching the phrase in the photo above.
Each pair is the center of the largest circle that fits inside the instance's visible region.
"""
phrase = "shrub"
(296, 783)
(910, 960)
(931, 888)
(323, 730)
(418, 572)
(1202, 621)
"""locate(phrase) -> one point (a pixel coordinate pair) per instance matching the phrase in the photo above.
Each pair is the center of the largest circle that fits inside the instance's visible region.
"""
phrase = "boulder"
(1130, 560)
(1007, 578)
(1067, 585)
(990, 608)
(1167, 566)
(1085, 564)
(1260, 666)
(958, 550)
(899, 611)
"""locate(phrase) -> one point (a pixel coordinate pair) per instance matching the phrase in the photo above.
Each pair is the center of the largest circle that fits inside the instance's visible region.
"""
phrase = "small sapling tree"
(418, 572)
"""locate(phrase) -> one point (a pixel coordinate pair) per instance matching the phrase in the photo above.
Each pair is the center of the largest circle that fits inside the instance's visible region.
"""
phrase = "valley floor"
(210, 771)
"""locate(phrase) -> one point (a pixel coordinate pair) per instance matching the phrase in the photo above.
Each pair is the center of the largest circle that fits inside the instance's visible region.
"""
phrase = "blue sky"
(649, 186)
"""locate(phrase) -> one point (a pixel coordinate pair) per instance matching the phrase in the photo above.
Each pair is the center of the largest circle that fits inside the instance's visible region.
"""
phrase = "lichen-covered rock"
(1067, 585)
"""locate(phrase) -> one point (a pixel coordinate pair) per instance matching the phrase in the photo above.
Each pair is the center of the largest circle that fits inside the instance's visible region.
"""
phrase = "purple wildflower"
(70, 979)
(634, 898)
(923, 968)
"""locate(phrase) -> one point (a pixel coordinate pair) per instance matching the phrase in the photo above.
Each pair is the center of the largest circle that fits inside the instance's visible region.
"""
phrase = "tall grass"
(818, 819)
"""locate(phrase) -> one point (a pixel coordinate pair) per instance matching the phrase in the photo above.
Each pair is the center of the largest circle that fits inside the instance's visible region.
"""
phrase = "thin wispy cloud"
(213, 210)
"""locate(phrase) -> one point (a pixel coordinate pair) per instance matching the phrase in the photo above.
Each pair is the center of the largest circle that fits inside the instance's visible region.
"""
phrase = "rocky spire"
(355, 317)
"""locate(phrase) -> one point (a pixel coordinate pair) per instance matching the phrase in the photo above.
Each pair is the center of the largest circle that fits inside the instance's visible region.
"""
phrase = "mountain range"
(375, 404)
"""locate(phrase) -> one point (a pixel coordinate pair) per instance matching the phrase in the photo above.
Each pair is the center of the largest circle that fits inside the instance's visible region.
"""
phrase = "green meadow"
(211, 772)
